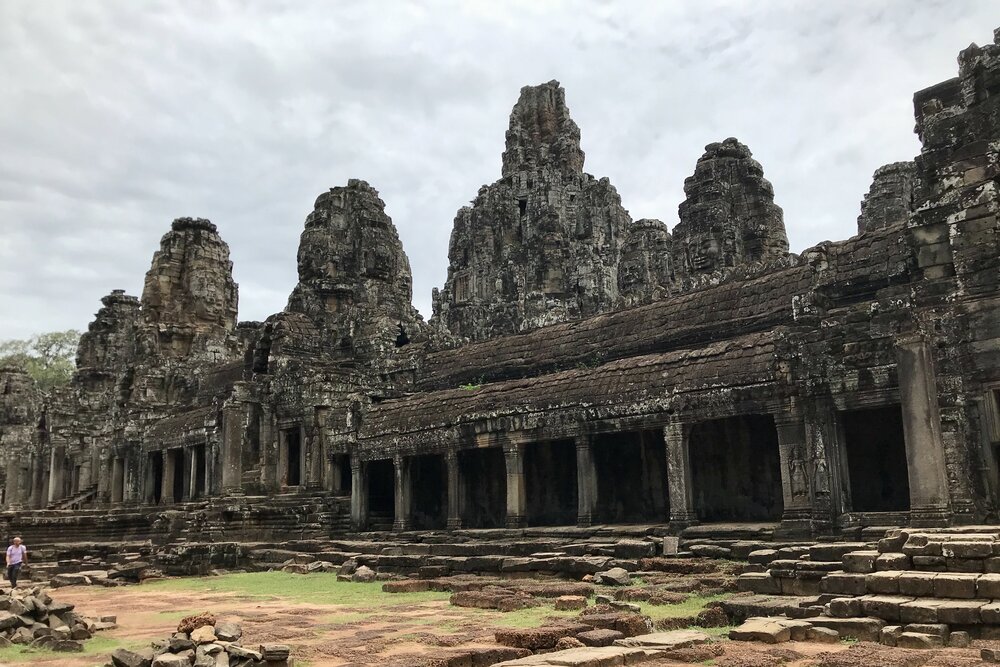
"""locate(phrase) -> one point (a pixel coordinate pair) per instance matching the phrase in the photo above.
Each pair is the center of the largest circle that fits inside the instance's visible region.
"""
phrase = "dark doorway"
(735, 469)
(631, 471)
(177, 483)
(876, 459)
(200, 473)
(381, 494)
(341, 475)
(484, 485)
(293, 456)
(550, 483)
(154, 477)
(429, 492)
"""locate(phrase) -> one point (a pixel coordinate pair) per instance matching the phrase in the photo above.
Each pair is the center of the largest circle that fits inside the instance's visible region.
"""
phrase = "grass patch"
(722, 632)
(320, 588)
(689, 607)
(345, 618)
(94, 646)
(532, 617)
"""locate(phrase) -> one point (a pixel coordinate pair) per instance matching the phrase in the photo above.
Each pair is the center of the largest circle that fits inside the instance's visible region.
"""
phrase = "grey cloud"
(119, 116)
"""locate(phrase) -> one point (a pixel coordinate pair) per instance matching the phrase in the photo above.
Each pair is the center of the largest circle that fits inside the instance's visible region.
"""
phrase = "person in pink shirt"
(17, 555)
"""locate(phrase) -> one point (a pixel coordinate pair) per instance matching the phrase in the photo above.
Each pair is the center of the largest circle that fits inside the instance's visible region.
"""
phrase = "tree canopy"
(49, 358)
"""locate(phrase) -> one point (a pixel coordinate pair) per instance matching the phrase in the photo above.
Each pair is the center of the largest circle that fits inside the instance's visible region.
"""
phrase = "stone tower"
(108, 345)
(354, 277)
(189, 298)
(646, 270)
(729, 216)
(890, 198)
(540, 245)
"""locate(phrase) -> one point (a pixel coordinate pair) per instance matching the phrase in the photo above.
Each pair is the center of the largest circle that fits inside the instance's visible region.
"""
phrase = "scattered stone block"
(570, 602)
(859, 561)
(959, 639)
(599, 637)
(892, 561)
(918, 640)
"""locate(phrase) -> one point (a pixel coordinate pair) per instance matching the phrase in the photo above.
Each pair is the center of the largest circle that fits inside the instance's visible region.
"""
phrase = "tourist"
(16, 553)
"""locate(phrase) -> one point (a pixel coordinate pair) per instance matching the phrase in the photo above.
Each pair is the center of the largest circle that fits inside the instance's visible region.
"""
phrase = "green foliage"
(689, 607)
(37, 656)
(318, 588)
(49, 358)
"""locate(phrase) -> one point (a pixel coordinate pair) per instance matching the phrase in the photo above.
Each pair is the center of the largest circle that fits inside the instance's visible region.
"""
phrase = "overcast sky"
(117, 117)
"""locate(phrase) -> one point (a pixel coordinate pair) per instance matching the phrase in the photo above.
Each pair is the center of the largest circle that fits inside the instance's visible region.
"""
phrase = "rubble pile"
(30, 617)
(204, 641)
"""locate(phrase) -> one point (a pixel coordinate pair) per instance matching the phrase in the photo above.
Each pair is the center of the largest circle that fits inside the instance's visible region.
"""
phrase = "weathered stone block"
(859, 561)
(955, 585)
(883, 582)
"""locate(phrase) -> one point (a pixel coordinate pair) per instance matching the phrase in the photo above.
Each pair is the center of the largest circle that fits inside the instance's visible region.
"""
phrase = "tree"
(49, 358)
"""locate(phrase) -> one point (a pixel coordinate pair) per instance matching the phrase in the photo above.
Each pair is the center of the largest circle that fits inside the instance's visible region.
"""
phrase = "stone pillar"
(795, 487)
(190, 473)
(403, 494)
(57, 469)
(456, 491)
(317, 451)
(517, 511)
(682, 513)
(86, 478)
(268, 449)
(234, 423)
(169, 471)
(23, 483)
(12, 496)
(359, 494)
(925, 459)
(586, 481)
(39, 489)
(117, 480)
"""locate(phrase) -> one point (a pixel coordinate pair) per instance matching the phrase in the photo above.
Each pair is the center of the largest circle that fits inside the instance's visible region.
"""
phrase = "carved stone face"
(705, 252)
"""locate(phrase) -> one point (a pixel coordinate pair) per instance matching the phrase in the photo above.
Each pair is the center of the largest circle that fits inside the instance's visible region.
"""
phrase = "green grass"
(532, 617)
(722, 632)
(97, 645)
(689, 607)
(319, 588)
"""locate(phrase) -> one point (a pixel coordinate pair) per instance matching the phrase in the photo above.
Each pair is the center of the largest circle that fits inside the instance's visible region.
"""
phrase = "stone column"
(359, 494)
(317, 451)
(169, 471)
(57, 468)
(586, 481)
(117, 480)
(268, 449)
(517, 516)
(925, 460)
(190, 473)
(682, 513)
(86, 478)
(39, 490)
(455, 491)
(402, 495)
(793, 454)
(12, 497)
(234, 421)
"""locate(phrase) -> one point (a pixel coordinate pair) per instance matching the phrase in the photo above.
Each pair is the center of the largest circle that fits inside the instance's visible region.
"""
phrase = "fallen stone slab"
(666, 640)
(599, 637)
(606, 656)
(861, 628)
(770, 630)
(537, 638)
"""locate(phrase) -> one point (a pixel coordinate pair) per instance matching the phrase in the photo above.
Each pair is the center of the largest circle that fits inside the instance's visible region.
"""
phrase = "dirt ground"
(405, 635)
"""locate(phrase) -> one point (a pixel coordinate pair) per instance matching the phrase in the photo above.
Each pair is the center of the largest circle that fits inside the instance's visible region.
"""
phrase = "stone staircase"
(947, 578)
(76, 501)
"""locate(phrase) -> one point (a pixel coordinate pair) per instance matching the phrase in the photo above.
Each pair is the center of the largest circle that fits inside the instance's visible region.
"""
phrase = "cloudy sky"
(118, 116)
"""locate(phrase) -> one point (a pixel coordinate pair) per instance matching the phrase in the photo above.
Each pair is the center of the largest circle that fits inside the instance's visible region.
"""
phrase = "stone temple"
(580, 368)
